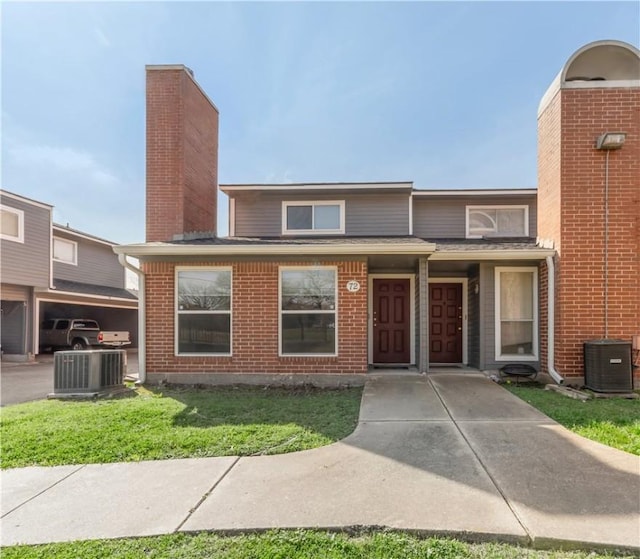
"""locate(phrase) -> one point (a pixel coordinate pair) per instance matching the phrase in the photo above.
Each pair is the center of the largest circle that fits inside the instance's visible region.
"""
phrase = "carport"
(111, 308)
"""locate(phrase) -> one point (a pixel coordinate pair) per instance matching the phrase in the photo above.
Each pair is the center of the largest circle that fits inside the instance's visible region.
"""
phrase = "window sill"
(517, 357)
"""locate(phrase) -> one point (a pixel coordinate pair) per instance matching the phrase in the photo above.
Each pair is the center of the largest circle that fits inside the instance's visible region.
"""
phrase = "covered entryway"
(391, 320)
(445, 322)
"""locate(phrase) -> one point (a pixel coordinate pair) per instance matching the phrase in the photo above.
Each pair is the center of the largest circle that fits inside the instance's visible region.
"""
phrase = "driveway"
(448, 454)
(26, 382)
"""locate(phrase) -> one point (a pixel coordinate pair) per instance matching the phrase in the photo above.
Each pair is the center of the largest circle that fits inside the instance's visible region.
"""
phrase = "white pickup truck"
(78, 333)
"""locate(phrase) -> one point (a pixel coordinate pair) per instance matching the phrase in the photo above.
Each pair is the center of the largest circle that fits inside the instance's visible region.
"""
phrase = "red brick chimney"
(597, 282)
(182, 154)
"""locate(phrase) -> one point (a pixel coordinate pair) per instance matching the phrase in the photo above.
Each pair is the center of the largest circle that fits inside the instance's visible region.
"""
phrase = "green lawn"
(614, 422)
(176, 423)
(286, 545)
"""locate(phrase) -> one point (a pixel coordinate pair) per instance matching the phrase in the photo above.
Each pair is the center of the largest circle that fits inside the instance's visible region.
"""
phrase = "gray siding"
(488, 314)
(17, 319)
(28, 263)
(473, 319)
(14, 327)
(15, 292)
(444, 216)
(97, 263)
(384, 214)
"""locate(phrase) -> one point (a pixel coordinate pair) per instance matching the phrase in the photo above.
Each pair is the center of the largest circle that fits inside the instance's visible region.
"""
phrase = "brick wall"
(255, 317)
(571, 211)
(549, 164)
(182, 155)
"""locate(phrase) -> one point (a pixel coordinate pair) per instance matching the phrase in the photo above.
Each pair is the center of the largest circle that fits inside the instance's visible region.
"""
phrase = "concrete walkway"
(446, 453)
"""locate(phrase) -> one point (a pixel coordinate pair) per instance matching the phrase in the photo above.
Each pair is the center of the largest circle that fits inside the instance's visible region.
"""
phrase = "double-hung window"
(516, 313)
(308, 311)
(203, 311)
(313, 218)
(12, 223)
(497, 221)
(65, 251)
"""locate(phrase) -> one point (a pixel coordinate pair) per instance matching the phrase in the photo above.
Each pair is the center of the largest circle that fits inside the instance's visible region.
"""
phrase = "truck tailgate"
(114, 338)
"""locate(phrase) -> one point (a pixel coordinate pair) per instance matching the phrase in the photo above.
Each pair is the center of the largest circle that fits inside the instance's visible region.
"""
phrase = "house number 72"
(353, 286)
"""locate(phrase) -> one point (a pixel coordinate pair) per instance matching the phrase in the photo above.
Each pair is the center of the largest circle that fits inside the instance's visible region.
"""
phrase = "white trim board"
(30, 201)
(299, 188)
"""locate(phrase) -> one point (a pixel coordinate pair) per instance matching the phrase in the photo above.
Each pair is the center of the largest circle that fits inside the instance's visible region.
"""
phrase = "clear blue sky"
(440, 93)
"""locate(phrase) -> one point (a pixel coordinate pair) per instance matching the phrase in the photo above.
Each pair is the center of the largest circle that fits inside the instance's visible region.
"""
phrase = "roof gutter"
(164, 249)
(533, 254)
(142, 346)
(551, 319)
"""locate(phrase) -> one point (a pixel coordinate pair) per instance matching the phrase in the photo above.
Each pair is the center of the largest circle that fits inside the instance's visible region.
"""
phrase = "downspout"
(142, 346)
(551, 321)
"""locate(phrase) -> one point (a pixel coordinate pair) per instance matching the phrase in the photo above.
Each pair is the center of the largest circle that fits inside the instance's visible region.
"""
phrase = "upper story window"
(497, 221)
(65, 251)
(12, 222)
(313, 218)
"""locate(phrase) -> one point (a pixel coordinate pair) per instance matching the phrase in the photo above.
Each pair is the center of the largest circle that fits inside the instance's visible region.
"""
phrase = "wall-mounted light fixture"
(607, 142)
(611, 140)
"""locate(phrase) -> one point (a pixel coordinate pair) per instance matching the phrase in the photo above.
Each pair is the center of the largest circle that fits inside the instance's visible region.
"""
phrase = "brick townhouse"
(323, 282)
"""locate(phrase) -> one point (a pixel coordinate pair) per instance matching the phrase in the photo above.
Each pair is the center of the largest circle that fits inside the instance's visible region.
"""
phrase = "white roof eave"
(164, 249)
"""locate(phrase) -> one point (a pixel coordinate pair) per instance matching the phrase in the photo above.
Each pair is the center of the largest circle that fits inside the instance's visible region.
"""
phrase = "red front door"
(445, 323)
(391, 321)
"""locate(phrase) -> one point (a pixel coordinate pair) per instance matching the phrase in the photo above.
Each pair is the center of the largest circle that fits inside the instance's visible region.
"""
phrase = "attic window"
(313, 218)
(65, 251)
(497, 221)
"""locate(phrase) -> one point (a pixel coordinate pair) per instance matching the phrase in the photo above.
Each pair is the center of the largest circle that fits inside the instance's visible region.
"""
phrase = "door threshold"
(400, 368)
(391, 366)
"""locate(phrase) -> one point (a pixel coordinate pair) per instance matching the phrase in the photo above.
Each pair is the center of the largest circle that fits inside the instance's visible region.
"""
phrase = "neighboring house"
(326, 281)
(52, 271)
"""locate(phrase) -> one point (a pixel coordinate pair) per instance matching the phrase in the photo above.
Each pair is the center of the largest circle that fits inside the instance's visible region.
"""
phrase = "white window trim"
(498, 321)
(75, 251)
(312, 231)
(333, 311)
(176, 312)
(20, 237)
(524, 207)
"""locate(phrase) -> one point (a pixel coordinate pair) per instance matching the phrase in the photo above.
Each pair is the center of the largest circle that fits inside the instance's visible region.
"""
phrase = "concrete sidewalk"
(441, 454)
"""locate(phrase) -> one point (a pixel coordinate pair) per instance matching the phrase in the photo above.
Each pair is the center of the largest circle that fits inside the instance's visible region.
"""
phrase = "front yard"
(176, 423)
(182, 423)
(300, 544)
(614, 422)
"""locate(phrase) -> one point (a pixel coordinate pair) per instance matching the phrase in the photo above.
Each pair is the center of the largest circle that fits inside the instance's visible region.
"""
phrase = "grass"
(614, 422)
(175, 423)
(286, 545)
